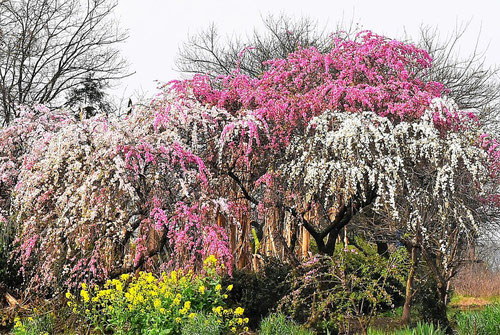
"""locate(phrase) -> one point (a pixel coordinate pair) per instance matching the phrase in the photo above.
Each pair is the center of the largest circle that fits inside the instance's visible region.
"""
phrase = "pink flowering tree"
(106, 197)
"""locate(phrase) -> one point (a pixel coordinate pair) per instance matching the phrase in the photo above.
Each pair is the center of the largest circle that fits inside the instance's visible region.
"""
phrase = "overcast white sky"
(158, 27)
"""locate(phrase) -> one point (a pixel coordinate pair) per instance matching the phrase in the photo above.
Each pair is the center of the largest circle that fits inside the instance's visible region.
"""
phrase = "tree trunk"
(406, 318)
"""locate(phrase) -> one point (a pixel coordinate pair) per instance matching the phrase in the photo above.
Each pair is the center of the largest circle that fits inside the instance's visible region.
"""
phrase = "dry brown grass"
(475, 280)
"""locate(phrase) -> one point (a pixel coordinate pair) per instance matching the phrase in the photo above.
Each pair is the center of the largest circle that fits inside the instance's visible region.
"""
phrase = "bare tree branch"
(48, 47)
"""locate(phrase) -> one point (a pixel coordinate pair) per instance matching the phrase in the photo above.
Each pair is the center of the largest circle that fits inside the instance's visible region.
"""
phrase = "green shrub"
(355, 283)
(277, 324)
(9, 270)
(259, 293)
(429, 308)
(483, 322)
(202, 325)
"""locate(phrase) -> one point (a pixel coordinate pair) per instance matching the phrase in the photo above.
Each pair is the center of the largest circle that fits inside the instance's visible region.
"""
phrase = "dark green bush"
(349, 287)
(429, 307)
(9, 270)
(259, 293)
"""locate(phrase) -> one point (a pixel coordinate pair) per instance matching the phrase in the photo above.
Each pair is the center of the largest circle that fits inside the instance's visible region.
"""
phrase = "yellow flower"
(192, 315)
(125, 276)
(150, 278)
(157, 303)
(85, 295)
(69, 295)
(173, 275)
(217, 310)
(183, 311)
(245, 320)
(178, 320)
(218, 287)
(210, 260)
(230, 287)
(176, 301)
(202, 289)
(187, 305)
(239, 311)
(233, 329)
(84, 286)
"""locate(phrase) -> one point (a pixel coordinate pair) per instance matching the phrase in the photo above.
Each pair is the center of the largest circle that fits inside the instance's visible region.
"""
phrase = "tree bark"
(406, 318)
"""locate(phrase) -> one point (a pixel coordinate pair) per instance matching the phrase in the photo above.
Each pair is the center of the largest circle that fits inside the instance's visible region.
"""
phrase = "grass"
(278, 324)
(484, 322)
(419, 329)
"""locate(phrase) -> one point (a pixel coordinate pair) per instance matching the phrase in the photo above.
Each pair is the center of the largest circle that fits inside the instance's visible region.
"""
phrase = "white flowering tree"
(429, 186)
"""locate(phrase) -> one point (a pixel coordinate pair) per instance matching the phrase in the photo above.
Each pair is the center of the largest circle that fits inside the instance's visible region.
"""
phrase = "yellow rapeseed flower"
(230, 287)
(157, 303)
(239, 311)
(85, 295)
(192, 315)
(217, 310)
(210, 261)
(218, 287)
(201, 289)
(173, 275)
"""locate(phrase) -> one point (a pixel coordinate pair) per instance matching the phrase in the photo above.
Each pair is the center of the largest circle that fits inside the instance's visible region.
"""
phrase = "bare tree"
(48, 47)
(471, 82)
(206, 53)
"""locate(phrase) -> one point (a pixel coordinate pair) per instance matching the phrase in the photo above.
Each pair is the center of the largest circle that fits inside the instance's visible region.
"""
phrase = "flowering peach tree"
(352, 130)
